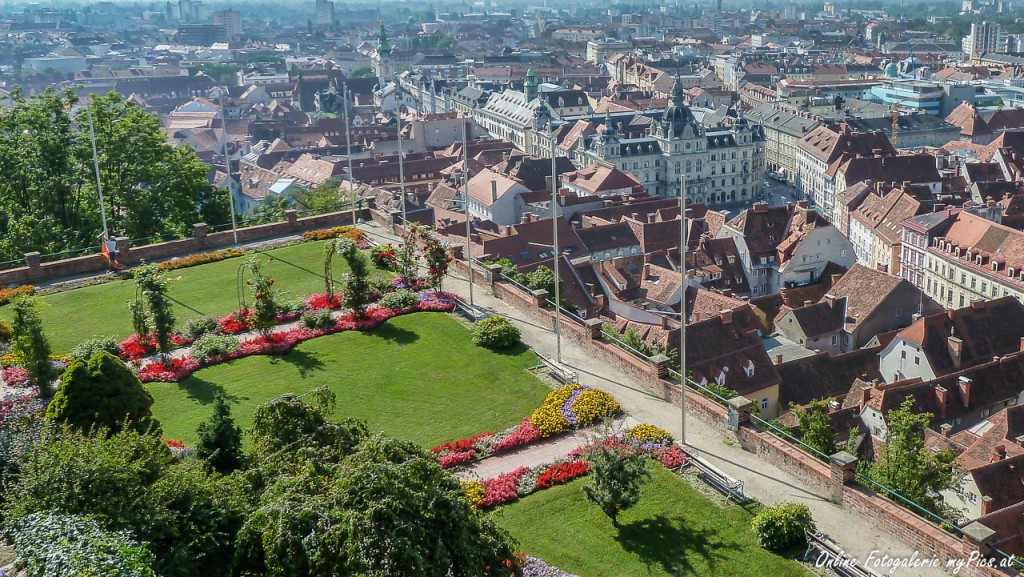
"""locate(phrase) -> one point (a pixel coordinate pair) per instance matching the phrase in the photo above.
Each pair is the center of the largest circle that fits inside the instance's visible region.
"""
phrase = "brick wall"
(815, 473)
(201, 241)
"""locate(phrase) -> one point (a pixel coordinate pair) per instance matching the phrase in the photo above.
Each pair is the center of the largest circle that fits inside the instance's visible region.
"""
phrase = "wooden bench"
(832, 556)
(559, 373)
(731, 488)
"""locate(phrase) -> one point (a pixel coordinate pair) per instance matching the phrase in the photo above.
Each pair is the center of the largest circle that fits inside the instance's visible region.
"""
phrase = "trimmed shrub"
(495, 332)
(103, 393)
(214, 346)
(86, 349)
(6, 331)
(318, 319)
(782, 526)
(199, 326)
(398, 300)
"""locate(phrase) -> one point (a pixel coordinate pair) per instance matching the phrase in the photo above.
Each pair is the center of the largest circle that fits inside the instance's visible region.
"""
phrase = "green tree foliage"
(363, 72)
(615, 480)
(358, 505)
(32, 346)
(48, 199)
(905, 465)
(495, 332)
(56, 545)
(325, 197)
(153, 288)
(816, 427)
(102, 392)
(357, 280)
(264, 309)
(222, 72)
(782, 526)
(220, 439)
(131, 482)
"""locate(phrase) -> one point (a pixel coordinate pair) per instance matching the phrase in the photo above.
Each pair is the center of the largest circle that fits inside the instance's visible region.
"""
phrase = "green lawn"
(417, 377)
(102, 310)
(673, 531)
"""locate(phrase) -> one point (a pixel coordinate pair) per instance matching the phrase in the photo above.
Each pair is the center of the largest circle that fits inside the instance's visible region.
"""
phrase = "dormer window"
(957, 252)
(995, 265)
(1010, 272)
(978, 259)
(749, 368)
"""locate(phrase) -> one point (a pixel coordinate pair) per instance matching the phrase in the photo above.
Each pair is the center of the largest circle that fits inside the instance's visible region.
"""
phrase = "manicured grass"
(673, 531)
(102, 310)
(417, 377)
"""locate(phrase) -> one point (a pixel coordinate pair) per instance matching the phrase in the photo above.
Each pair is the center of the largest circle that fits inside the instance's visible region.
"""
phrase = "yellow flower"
(559, 396)
(594, 405)
(474, 492)
(645, 432)
(549, 420)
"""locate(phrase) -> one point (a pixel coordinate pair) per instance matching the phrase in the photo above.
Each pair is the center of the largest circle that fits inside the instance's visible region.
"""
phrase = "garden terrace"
(102, 310)
(417, 377)
(673, 531)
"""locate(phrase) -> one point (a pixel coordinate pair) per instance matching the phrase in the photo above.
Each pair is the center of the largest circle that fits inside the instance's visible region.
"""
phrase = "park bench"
(557, 372)
(833, 556)
(731, 488)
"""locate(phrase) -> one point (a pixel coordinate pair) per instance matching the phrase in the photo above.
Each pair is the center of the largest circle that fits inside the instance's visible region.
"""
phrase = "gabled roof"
(820, 319)
(718, 346)
(598, 178)
(865, 290)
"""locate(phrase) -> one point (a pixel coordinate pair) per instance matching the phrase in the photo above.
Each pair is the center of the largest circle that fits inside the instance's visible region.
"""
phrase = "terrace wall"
(201, 240)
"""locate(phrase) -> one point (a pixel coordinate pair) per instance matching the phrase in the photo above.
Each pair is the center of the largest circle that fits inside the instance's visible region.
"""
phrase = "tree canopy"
(48, 197)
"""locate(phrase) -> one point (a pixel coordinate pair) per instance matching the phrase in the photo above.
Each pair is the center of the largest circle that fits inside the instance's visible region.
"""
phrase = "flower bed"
(281, 342)
(13, 409)
(534, 567)
(16, 377)
(337, 232)
(320, 301)
(198, 259)
(564, 408)
(7, 295)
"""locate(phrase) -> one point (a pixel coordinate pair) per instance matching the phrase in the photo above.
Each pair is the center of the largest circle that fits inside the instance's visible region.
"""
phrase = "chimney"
(955, 348)
(808, 303)
(986, 505)
(943, 397)
(965, 390)
(664, 323)
(906, 184)
(726, 316)
(635, 216)
(778, 359)
(650, 217)
(647, 271)
(759, 207)
(831, 300)
(865, 396)
(494, 191)
(946, 429)
(878, 188)
(801, 203)
(998, 452)
(525, 218)
(835, 279)
(1022, 344)
(978, 304)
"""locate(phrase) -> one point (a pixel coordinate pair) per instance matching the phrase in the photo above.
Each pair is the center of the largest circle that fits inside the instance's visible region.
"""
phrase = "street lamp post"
(96, 166)
(465, 192)
(401, 160)
(554, 243)
(227, 170)
(683, 317)
(348, 147)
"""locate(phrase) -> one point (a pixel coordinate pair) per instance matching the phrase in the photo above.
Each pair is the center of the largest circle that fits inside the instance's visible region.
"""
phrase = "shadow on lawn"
(397, 335)
(204, 391)
(306, 362)
(670, 544)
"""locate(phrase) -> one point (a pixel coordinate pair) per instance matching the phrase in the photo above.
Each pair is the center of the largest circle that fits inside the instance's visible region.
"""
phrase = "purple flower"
(534, 567)
(567, 411)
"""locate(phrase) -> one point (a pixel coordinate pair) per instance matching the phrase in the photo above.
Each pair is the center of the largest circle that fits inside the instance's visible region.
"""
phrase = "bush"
(398, 300)
(199, 326)
(86, 349)
(214, 346)
(335, 232)
(198, 259)
(7, 295)
(383, 256)
(495, 332)
(102, 392)
(6, 331)
(319, 319)
(292, 306)
(782, 526)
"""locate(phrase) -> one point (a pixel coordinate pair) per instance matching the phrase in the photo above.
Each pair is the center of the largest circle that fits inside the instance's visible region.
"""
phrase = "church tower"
(382, 64)
(530, 86)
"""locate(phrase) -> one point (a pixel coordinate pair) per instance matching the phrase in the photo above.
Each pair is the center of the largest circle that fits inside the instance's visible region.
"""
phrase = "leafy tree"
(325, 197)
(905, 465)
(32, 346)
(358, 505)
(102, 392)
(131, 482)
(220, 439)
(363, 72)
(264, 313)
(222, 72)
(56, 545)
(153, 286)
(816, 427)
(615, 480)
(357, 280)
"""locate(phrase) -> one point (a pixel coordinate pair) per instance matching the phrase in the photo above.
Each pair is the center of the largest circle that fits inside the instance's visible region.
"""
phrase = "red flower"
(561, 473)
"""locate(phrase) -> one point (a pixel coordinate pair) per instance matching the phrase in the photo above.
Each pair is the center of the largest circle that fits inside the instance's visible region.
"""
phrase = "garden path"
(535, 454)
(762, 479)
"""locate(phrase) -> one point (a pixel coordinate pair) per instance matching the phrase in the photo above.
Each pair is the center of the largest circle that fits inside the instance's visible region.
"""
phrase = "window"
(764, 404)
(842, 253)
(917, 360)
(835, 340)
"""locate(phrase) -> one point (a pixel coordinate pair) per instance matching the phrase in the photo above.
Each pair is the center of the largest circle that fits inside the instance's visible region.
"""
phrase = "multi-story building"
(576, 34)
(599, 50)
(917, 234)
(821, 153)
(231, 20)
(324, 13)
(975, 259)
(783, 129)
(911, 95)
(984, 37)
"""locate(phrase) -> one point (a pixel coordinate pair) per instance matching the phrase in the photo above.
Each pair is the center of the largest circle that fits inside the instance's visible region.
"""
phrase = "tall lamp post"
(96, 166)
(227, 170)
(683, 317)
(554, 243)
(348, 150)
(401, 156)
(465, 193)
